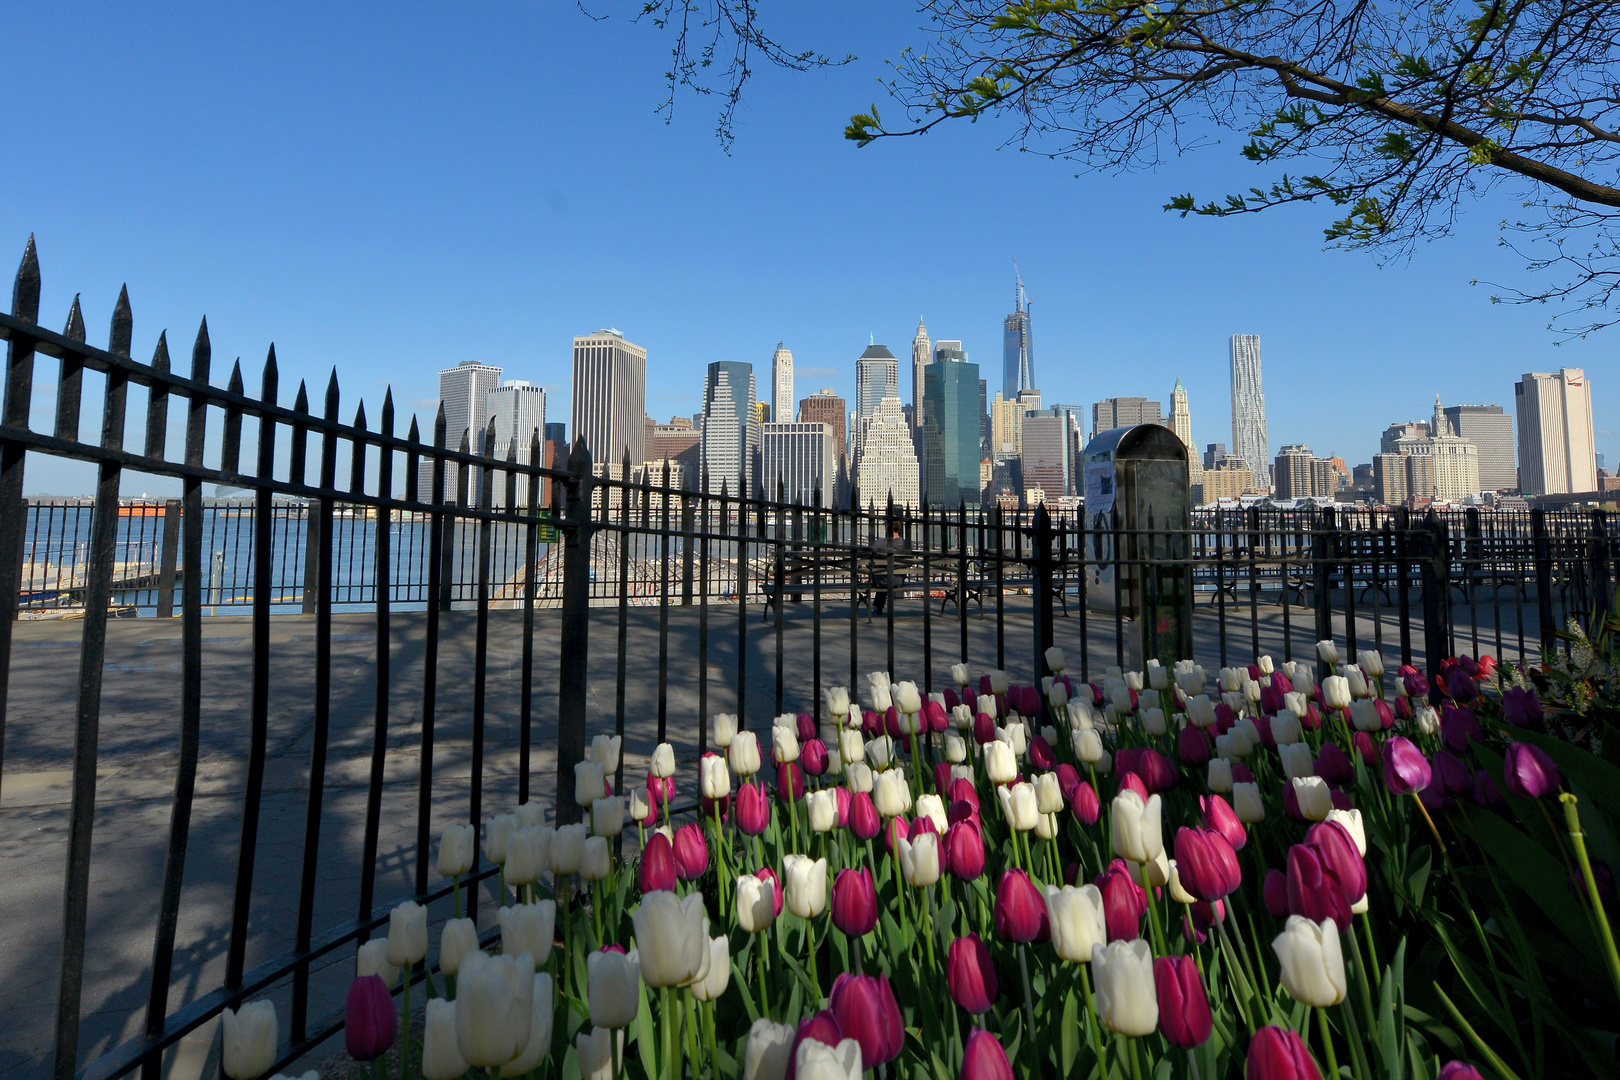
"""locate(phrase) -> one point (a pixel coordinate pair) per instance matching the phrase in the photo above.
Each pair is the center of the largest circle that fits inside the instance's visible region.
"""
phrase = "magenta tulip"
(1458, 727)
(691, 852)
(1184, 1017)
(1084, 804)
(1529, 772)
(821, 1027)
(934, 713)
(942, 777)
(1459, 1070)
(866, 1011)
(1335, 844)
(765, 873)
(1334, 765)
(1406, 770)
(1521, 708)
(1278, 1053)
(658, 871)
(1193, 746)
(864, 821)
(1134, 783)
(970, 975)
(844, 800)
(1417, 686)
(1363, 742)
(807, 727)
(1225, 718)
(871, 723)
(1068, 779)
(753, 809)
(896, 828)
(1020, 908)
(1217, 814)
(963, 854)
(1461, 686)
(1275, 893)
(1041, 757)
(984, 728)
(369, 1021)
(1314, 889)
(1158, 772)
(1206, 864)
(962, 790)
(984, 1059)
(789, 781)
(813, 757)
(854, 902)
(1124, 902)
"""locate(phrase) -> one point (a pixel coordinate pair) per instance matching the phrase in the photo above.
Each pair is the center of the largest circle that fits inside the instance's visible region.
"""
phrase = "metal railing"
(337, 521)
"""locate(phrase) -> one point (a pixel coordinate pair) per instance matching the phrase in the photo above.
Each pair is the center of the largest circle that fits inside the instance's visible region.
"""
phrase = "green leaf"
(645, 1042)
(1069, 1034)
(1538, 873)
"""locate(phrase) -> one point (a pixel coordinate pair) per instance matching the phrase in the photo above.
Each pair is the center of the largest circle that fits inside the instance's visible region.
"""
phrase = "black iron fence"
(338, 520)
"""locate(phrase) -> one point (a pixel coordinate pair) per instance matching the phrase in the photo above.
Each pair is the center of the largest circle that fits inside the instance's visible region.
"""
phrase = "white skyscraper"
(922, 354)
(730, 428)
(519, 410)
(782, 385)
(877, 376)
(1181, 424)
(1557, 453)
(800, 460)
(888, 463)
(1249, 440)
(610, 397)
(463, 390)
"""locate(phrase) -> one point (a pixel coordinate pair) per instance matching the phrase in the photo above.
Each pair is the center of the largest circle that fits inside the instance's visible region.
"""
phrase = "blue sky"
(390, 190)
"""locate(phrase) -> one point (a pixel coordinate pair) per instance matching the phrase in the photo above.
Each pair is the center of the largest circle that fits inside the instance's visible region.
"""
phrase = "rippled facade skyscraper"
(1249, 440)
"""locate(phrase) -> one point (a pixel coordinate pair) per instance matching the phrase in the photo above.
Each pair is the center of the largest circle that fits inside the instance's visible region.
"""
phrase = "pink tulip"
(369, 1021)
(807, 727)
(1530, 773)
(871, 723)
(1193, 746)
(942, 776)
(1206, 864)
(1459, 1070)
(970, 975)
(789, 781)
(753, 809)
(1406, 770)
(813, 756)
(844, 799)
(1334, 765)
(984, 728)
(1314, 889)
(866, 1011)
(896, 828)
(1458, 728)
(658, 872)
(963, 854)
(1084, 804)
(962, 790)
(935, 714)
(1068, 779)
(984, 1059)
(1133, 782)
(1158, 772)
(1184, 1017)
(1041, 757)
(854, 902)
(863, 816)
(691, 852)
(1335, 844)
(1124, 902)
(1278, 1053)
(1020, 913)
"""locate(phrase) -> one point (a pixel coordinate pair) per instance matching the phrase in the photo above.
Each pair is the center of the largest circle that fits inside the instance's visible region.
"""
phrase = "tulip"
(714, 777)
(441, 1058)
(607, 816)
(770, 1049)
(1184, 1017)
(369, 1021)
(1206, 864)
(1327, 652)
(1336, 692)
(456, 848)
(1461, 686)
(527, 928)
(1314, 889)
(756, 903)
(691, 852)
(784, 745)
(1246, 802)
(984, 1059)
(497, 833)
(1338, 847)
(866, 1011)
(752, 811)
(805, 887)
(743, 753)
(596, 862)
(595, 1052)
(1529, 772)
(1406, 770)
(613, 987)
(1127, 1000)
(658, 871)
(641, 806)
(1020, 911)
(540, 1018)
(1278, 1053)
(1521, 708)
(919, 859)
(407, 934)
(864, 821)
(1459, 1070)
(1220, 775)
(821, 809)
(494, 1008)
(663, 760)
(1018, 806)
(372, 959)
(1077, 919)
(895, 828)
(813, 757)
(789, 782)
(1312, 796)
(1136, 831)
(1296, 760)
(528, 854)
(713, 983)
(1000, 764)
(891, 794)
(854, 901)
(858, 776)
(1311, 960)
(249, 1041)
(963, 853)
(457, 939)
(670, 938)
(1124, 901)
(815, 1060)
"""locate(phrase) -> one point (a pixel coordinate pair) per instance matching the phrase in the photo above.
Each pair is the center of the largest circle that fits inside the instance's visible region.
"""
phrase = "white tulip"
(1246, 802)
(805, 886)
(891, 794)
(539, 1044)
(595, 1052)
(1327, 652)
(1357, 680)
(670, 938)
(769, 1052)
(1231, 679)
(407, 934)
(1148, 699)
(837, 701)
(1364, 715)
(1351, 820)
(1220, 775)
(1371, 661)
(1122, 701)
(589, 783)
(784, 744)
(1312, 961)
(858, 775)
(1285, 727)
(595, 863)
(494, 1008)
(1153, 874)
(919, 859)
(458, 938)
(1234, 700)
(718, 977)
(956, 749)
(1314, 797)
(822, 809)
(605, 751)
(1336, 692)
(528, 854)
(1126, 1000)
(1016, 735)
(568, 849)
(743, 754)
(1046, 826)
(1000, 764)
(1054, 660)
(663, 760)
(1153, 721)
(456, 850)
(1048, 794)
(817, 1061)
(1158, 677)
(372, 959)
(714, 777)
(1251, 691)
(607, 815)
(527, 928)
(1297, 760)
(641, 806)
(880, 751)
(962, 772)
(1191, 682)
(441, 1058)
(613, 987)
(498, 831)
(1304, 680)
(1018, 805)
(1077, 921)
(530, 814)
(835, 762)
(999, 682)
(1137, 835)
(249, 1040)
(1177, 893)
(756, 904)
(881, 698)
(851, 744)
(1426, 720)
(986, 704)
(723, 728)
(932, 807)
(962, 718)
(961, 674)
(906, 698)
(1057, 696)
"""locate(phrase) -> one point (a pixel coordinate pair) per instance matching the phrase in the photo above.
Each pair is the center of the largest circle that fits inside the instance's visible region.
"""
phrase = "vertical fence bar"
(573, 683)
(430, 650)
(1041, 569)
(622, 658)
(1322, 571)
(962, 579)
(382, 570)
(1082, 590)
(13, 456)
(1436, 596)
(817, 535)
(486, 528)
(531, 559)
(742, 597)
(170, 552)
(1471, 565)
(322, 717)
(703, 614)
(1001, 592)
(1602, 586)
(81, 815)
(1254, 583)
(1345, 541)
(663, 599)
(927, 606)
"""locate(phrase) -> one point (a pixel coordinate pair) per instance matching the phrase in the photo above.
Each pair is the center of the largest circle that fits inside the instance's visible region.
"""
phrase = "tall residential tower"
(1249, 440)
(610, 397)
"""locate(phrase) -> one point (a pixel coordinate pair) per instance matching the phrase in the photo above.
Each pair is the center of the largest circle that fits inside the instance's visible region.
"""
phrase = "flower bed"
(1165, 873)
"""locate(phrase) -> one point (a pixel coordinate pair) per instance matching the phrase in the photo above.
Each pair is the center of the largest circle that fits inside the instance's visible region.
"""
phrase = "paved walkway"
(138, 751)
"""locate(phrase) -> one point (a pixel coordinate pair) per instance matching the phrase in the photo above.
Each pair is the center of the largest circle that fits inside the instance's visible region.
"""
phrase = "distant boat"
(140, 510)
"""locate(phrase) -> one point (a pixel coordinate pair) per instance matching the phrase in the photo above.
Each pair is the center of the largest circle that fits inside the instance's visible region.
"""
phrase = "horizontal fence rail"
(348, 516)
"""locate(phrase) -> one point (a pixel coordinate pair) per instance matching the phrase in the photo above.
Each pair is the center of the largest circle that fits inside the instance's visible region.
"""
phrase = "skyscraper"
(799, 463)
(463, 390)
(1491, 430)
(610, 397)
(1249, 440)
(1116, 412)
(782, 385)
(519, 411)
(730, 428)
(1006, 428)
(1456, 460)
(1017, 345)
(1557, 454)
(1181, 424)
(922, 354)
(1048, 464)
(826, 407)
(877, 376)
(887, 468)
(951, 428)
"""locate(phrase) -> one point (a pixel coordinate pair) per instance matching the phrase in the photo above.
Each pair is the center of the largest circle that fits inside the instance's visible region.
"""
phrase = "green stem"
(1029, 998)
(1327, 1045)
(1093, 1029)
(928, 915)
(405, 1029)
(1358, 1059)
(1365, 978)
(1577, 839)
(810, 957)
(455, 887)
(764, 996)
(1136, 1060)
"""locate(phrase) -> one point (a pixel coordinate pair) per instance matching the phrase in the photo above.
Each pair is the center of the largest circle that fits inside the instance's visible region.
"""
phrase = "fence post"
(171, 550)
(1436, 563)
(576, 625)
(1544, 583)
(1403, 574)
(1322, 536)
(1042, 566)
(1602, 584)
(312, 547)
(688, 505)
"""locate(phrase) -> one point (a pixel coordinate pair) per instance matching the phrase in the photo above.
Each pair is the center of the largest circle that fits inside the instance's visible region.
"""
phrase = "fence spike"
(386, 424)
(489, 440)
(439, 428)
(301, 401)
(157, 404)
(360, 416)
(25, 290)
(332, 396)
(74, 331)
(235, 384)
(201, 353)
(415, 434)
(123, 325)
(267, 392)
(466, 441)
